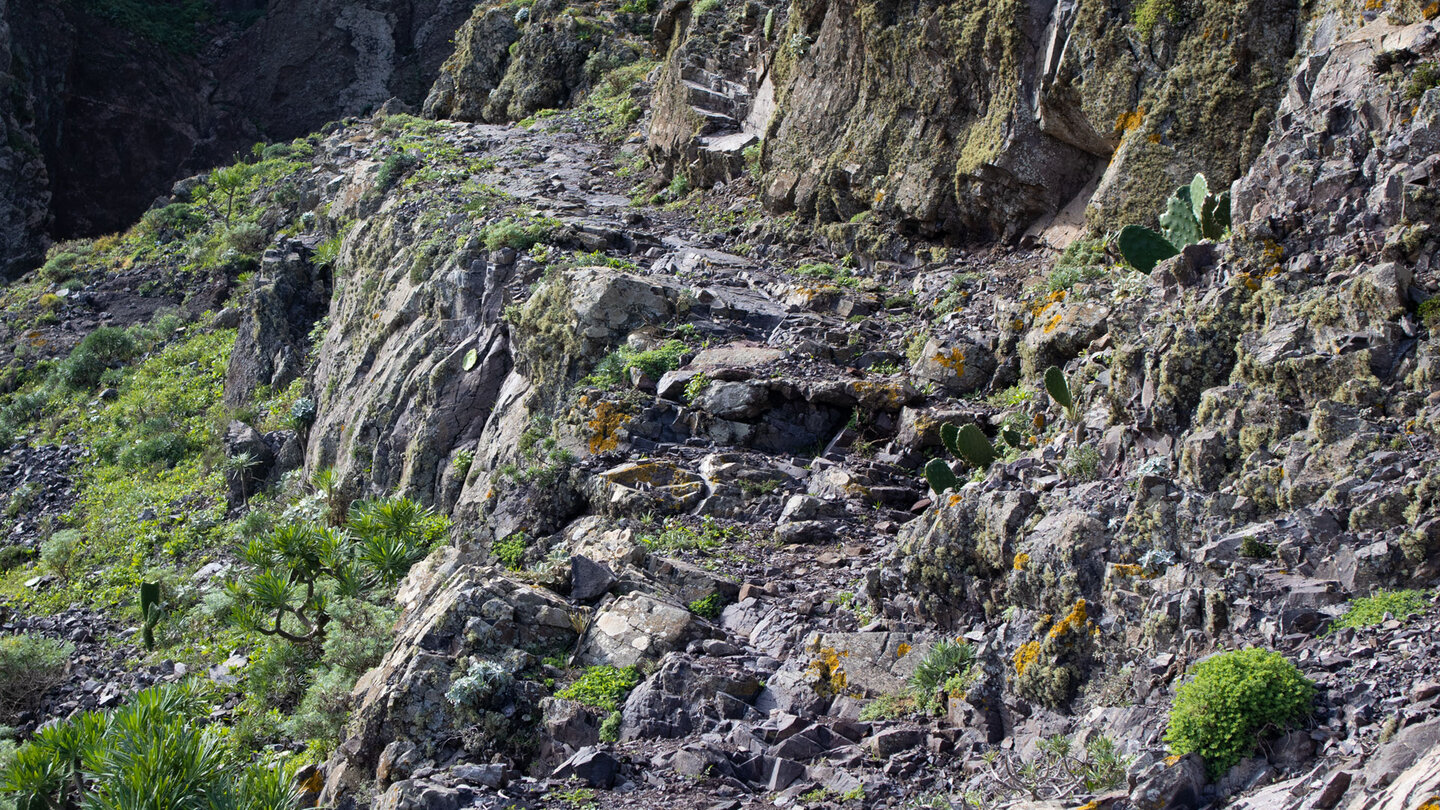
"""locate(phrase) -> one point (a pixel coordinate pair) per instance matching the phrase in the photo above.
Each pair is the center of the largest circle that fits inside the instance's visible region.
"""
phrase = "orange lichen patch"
(1090, 805)
(605, 426)
(830, 679)
(1130, 121)
(1038, 422)
(1171, 760)
(1129, 570)
(955, 500)
(1028, 653)
(1432, 803)
(903, 650)
(953, 359)
(1076, 620)
(1039, 307)
(878, 396)
(1054, 322)
(1021, 560)
(1272, 254)
(1154, 137)
(1374, 5)
(1431, 12)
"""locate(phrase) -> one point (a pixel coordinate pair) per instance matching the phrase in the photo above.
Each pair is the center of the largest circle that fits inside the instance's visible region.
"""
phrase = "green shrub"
(58, 553)
(889, 707)
(602, 687)
(104, 348)
(610, 727)
(933, 674)
(1430, 311)
(1231, 699)
(1369, 611)
(172, 222)
(709, 607)
(394, 168)
(247, 238)
(511, 551)
(155, 752)
(287, 572)
(613, 370)
(1424, 77)
(518, 234)
(29, 667)
(60, 268)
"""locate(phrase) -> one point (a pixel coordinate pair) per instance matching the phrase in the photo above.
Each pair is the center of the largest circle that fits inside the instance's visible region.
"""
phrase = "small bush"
(1430, 311)
(394, 168)
(58, 553)
(511, 551)
(520, 235)
(933, 674)
(1082, 463)
(613, 371)
(60, 268)
(889, 707)
(29, 667)
(1231, 700)
(247, 238)
(1369, 611)
(602, 687)
(171, 222)
(1423, 78)
(610, 727)
(104, 348)
(708, 607)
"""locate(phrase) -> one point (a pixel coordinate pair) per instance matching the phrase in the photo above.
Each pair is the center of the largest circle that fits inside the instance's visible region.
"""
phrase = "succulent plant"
(149, 612)
(1192, 213)
(940, 477)
(1059, 390)
(969, 443)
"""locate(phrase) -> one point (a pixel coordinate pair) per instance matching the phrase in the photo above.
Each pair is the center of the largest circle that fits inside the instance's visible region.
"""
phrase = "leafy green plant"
(1369, 611)
(58, 553)
(613, 370)
(1191, 214)
(29, 667)
(696, 386)
(291, 572)
(933, 675)
(106, 347)
(394, 168)
(1082, 463)
(1231, 700)
(519, 234)
(677, 537)
(602, 687)
(708, 607)
(155, 752)
(610, 727)
(511, 550)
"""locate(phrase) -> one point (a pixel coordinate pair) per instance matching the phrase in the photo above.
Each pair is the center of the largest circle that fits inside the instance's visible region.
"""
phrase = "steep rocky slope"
(108, 103)
(694, 559)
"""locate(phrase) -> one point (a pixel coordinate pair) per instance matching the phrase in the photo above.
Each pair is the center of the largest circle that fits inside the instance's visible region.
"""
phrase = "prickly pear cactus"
(940, 477)
(1144, 248)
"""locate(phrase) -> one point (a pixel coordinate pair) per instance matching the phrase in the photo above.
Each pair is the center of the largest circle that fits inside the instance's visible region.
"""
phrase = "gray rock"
(595, 767)
(589, 580)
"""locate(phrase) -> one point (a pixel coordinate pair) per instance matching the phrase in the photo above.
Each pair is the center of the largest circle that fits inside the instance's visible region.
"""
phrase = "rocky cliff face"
(681, 434)
(101, 119)
(976, 121)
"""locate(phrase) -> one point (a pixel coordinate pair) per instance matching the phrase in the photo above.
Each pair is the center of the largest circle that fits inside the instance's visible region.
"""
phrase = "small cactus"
(950, 437)
(471, 359)
(940, 477)
(1143, 247)
(149, 612)
(1013, 438)
(1192, 213)
(1059, 390)
(972, 446)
